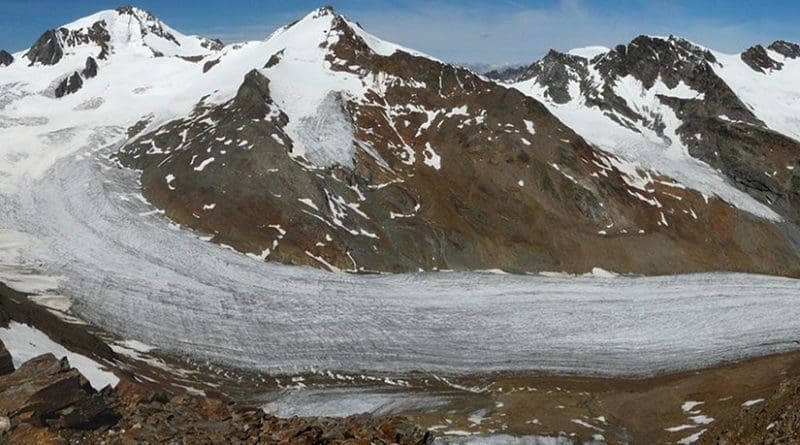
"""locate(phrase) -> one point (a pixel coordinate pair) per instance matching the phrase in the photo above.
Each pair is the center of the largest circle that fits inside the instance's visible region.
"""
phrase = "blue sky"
(501, 31)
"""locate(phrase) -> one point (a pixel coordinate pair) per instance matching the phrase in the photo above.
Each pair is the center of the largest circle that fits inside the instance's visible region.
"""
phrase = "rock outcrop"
(47, 401)
(6, 58)
(46, 391)
(6, 365)
(756, 57)
(74, 82)
(429, 166)
(641, 85)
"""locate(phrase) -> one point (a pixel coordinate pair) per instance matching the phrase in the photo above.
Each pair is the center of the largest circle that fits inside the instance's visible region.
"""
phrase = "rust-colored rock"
(450, 171)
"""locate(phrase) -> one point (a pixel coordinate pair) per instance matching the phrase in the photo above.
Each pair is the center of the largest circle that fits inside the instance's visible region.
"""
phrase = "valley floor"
(463, 354)
(84, 231)
(737, 399)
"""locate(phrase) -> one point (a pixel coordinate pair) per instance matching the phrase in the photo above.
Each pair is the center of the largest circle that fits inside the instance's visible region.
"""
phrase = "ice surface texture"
(132, 271)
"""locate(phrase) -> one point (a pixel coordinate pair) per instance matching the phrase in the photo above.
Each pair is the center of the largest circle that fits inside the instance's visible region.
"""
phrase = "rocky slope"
(689, 103)
(775, 420)
(408, 163)
(325, 146)
(47, 401)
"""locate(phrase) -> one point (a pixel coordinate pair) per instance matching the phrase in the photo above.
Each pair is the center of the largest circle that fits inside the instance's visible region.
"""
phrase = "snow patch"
(25, 342)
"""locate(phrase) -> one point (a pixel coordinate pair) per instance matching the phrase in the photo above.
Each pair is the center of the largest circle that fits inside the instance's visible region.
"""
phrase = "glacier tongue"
(138, 275)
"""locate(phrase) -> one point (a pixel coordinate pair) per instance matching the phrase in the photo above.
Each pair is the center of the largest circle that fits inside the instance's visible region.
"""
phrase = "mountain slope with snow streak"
(326, 146)
(725, 125)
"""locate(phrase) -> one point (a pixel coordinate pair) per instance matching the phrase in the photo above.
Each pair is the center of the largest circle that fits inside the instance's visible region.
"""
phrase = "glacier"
(129, 269)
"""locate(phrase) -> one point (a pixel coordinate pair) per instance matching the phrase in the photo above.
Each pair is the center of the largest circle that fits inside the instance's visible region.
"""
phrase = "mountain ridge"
(328, 147)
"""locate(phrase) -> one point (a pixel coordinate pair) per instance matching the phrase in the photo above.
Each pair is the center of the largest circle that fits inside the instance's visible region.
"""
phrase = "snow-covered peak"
(325, 25)
(127, 30)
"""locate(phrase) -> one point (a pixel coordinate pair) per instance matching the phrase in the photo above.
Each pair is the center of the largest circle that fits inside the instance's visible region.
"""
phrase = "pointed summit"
(127, 29)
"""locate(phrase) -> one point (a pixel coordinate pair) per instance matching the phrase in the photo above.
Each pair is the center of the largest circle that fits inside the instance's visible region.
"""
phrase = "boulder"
(47, 391)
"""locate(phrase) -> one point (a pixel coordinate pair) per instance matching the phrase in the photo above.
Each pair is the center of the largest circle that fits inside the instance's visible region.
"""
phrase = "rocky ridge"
(328, 147)
(447, 171)
(695, 107)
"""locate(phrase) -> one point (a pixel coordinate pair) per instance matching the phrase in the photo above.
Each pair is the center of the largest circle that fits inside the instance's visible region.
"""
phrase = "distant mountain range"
(326, 146)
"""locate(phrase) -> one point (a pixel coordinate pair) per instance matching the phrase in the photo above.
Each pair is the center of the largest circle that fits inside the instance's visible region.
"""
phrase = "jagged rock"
(786, 49)
(741, 145)
(43, 404)
(69, 85)
(148, 22)
(253, 95)
(6, 365)
(6, 58)
(41, 387)
(27, 434)
(274, 59)
(476, 188)
(90, 70)
(555, 72)
(756, 57)
(45, 391)
(48, 48)
(212, 44)
(89, 413)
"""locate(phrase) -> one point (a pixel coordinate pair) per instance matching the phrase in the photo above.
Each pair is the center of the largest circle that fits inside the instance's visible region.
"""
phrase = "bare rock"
(48, 49)
(6, 365)
(756, 57)
(90, 70)
(27, 434)
(69, 85)
(786, 49)
(46, 390)
(5, 58)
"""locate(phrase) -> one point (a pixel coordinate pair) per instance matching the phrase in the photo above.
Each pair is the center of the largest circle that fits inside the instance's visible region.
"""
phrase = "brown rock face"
(449, 171)
(46, 390)
(6, 365)
(717, 127)
(47, 402)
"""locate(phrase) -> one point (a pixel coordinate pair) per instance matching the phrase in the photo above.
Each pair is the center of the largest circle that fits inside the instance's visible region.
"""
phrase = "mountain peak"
(126, 29)
(323, 27)
(324, 10)
(135, 11)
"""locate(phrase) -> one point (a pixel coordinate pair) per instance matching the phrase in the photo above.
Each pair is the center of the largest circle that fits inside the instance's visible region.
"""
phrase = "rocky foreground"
(46, 401)
(774, 421)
